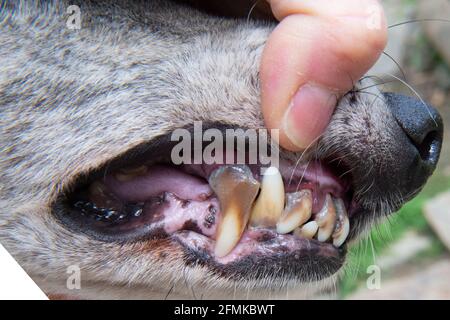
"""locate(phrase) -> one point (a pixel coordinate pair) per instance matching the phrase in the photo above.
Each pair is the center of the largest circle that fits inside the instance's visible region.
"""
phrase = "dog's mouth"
(239, 220)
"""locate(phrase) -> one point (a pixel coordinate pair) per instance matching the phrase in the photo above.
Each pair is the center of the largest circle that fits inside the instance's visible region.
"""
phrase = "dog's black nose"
(423, 128)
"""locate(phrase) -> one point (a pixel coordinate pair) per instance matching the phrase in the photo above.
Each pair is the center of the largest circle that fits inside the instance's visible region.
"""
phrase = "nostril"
(422, 125)
(429, 146)
(417, 131)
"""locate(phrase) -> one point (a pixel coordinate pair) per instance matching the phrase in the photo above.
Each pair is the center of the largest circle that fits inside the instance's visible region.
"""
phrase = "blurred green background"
(413, 258)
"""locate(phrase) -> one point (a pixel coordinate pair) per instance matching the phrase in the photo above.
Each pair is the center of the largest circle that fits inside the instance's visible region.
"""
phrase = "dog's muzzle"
(419, 143)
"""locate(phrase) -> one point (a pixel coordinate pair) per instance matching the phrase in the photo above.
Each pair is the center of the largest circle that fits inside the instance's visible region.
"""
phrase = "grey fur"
(70, 100)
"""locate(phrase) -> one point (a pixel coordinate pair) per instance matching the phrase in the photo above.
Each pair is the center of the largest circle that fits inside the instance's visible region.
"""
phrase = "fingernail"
(308, 114)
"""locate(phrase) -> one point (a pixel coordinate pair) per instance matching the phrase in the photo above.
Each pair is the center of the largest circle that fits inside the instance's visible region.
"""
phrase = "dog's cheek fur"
(364, 135)
(86, 96)
(75, 106)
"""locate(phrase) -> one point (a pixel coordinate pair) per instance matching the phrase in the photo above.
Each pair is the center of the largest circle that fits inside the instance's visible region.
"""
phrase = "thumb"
(315, 54)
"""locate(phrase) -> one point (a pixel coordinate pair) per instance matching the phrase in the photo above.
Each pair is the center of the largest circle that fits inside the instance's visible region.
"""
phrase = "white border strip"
(15, 283)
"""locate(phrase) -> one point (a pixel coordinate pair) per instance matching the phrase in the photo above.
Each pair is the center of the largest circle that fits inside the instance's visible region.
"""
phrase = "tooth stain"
(269, 204)
(297, 211)
(236, 190)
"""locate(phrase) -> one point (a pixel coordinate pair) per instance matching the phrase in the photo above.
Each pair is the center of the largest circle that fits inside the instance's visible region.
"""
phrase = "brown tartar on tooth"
(326, 219)
(297, 211)
(269, 205)
(236, 189)
(127, 174)
(342, 227)
(308, 230)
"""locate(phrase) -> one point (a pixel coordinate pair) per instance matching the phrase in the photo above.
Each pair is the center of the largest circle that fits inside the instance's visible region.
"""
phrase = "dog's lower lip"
(263, 242)
(271, 255)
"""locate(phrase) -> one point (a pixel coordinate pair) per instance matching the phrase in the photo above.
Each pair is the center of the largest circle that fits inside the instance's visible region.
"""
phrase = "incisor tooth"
(270, 202)
(297, 211)
(236, 190)
(127, 174)
(326, 219)
(308, 230)
(342, 227)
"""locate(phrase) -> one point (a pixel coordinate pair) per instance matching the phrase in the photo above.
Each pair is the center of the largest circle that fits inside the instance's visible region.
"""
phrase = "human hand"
(315, 54)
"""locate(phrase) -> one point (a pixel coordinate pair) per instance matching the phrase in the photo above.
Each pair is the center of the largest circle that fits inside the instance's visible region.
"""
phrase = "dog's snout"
(420, 146)
(421, 123)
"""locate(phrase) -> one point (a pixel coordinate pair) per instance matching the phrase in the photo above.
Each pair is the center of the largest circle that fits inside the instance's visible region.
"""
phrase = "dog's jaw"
(71, 109)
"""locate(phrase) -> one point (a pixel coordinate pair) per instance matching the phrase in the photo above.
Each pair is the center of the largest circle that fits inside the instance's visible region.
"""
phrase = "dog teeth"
(342, 227)
(236, 190)
(270, 202)
(326, 219)
(127, 174)
(297, 211)
(308, 230)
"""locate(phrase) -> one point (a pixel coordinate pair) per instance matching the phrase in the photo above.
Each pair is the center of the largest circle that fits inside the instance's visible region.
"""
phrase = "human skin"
(315, 55)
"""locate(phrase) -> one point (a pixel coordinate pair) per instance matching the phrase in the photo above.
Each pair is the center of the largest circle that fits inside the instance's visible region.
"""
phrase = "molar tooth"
(270, 202)
(326, 219)
(236, 190)
(127, 174)
(342, 227)
(308, 230)
(297, 211)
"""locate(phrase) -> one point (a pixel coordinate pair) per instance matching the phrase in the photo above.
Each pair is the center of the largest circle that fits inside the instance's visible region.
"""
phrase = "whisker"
(301, 157)
(373, 94)
(396, 63)
(251, 10)
(374, 257)
(303, 175)
(370, 76)
(375, 85)
(187, 284)
(170, 291)
(416, 93)
(416, 20)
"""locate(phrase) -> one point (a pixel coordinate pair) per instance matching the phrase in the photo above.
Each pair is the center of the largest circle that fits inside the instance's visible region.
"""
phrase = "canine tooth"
(308, 230)
(297, 211)
(342, 227)
(236, 190)
(326, 219)
(127, 174)
(270, 202)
